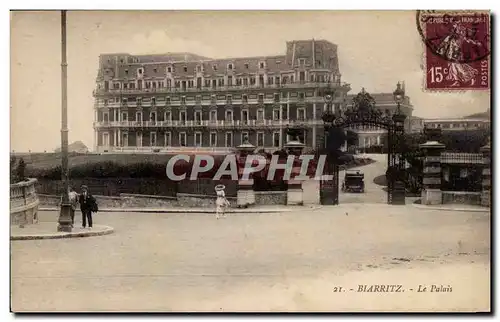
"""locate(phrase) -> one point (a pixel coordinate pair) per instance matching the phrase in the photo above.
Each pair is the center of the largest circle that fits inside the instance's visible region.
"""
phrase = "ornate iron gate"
(363, 112)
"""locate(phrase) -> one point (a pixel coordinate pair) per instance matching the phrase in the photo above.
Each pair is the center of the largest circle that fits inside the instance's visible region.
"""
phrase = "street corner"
(48, 230)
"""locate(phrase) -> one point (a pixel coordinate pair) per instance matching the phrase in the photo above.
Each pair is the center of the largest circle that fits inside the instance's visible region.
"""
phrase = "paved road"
(373, 193)
(287, 261)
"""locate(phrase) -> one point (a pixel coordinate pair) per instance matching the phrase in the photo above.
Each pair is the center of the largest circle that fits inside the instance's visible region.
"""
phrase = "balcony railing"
(207, 123)
(220, 88)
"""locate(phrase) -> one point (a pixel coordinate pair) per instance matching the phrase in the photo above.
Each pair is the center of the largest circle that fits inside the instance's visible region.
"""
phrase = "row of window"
(454, 125)
(198, 139)
(218, 82)
(198, 116)
(199, 68)
(198, 98)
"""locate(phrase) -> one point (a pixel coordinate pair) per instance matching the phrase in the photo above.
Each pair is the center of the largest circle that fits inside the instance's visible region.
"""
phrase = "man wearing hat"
(87, 205)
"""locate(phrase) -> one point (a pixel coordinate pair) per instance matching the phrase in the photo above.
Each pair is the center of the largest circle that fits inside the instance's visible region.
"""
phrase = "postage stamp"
(457, 49)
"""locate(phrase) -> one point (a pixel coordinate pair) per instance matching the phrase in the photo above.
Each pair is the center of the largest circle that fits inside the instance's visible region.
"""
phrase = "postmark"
(457, 49)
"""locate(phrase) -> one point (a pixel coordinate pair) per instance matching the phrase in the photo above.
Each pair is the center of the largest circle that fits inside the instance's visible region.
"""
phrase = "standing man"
(87, 205)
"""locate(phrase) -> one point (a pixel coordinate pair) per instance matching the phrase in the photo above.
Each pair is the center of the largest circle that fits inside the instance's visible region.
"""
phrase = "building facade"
(172, 102)
(458, 124)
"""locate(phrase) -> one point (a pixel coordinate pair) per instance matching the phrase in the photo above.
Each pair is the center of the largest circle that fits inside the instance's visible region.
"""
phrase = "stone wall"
(145, 201)
(270, 198)
(23, 203)
(462, 197)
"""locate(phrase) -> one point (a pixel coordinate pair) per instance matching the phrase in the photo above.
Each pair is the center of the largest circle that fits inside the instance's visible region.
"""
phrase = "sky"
(376, 50)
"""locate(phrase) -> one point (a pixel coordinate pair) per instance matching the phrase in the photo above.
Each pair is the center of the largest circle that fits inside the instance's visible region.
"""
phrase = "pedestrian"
(88, 205)
(73, 199)
(221, 202)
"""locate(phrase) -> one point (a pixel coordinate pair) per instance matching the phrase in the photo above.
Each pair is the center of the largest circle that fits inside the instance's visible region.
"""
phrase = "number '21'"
(437, 74)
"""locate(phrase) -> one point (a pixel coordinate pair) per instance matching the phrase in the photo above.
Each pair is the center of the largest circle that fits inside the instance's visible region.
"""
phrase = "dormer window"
(126, 71)
(262, 65)
(302, 61)
(246, 65)
(185, 69)
(214, 67)
(121, 61)
(198, 68)
(140, 70)
(155, 70)
(169, 69)
(230, 66)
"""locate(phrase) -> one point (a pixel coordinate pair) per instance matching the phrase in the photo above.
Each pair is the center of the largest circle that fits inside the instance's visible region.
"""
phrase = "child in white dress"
(221, 202)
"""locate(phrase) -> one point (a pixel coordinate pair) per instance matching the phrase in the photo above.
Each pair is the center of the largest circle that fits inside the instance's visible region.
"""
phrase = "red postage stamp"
(457, 49)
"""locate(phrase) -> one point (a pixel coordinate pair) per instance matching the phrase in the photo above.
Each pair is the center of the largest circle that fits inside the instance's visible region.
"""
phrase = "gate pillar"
(245, 196)
(431, 190)
(486, 176)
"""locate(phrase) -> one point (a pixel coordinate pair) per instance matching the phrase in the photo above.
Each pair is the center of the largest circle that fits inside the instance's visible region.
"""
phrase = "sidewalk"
(48, 230)
(453, 207)
(177, 210)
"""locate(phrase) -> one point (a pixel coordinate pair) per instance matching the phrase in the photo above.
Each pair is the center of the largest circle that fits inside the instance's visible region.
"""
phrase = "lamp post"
(397, 164)
(329, 188)
(64, 222)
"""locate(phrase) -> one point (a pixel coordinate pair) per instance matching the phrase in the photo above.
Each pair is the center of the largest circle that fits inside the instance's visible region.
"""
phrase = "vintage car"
(353, 181)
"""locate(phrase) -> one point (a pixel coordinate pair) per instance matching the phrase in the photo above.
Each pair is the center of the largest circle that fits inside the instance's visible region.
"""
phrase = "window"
(140, 70)
(182, 139)
(270, 80)
(198, 68)
(169, 69)
(124, 116)
(229, 115)
(213, 116)
(138, 116)
(229, 99)
(126, 71)
(185, 69)
(182, 116)
(124, 139)
(261, 98)
(197, 117)
(301, 114)
(244, 98)
(302, 61)
(105, 139)
(246, 65)
(229, 139)
(244, 116)
(213, 139)
(245, 81)
(301, 96)
(276, 97)
(291, 79)
(138, 139)
(230, 81)
(155, 70)
(252, 80)
(302, 77)
(131, 85)
(276, 139)
(168, 116)
(183, 100)
(230, 66)
(152, 117)
(105, 117)
(245, 136)
(277, 80)
(152, 139)
(207, 82)
(168, 139)
(261, 65)
(153, 101)
(221, 81)
(138, 101)
(116, 85)
(260, 139)
(197, 139)
(169, 83)
(276, 114)
(167, 100)
(260, 114)
(214, 67)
